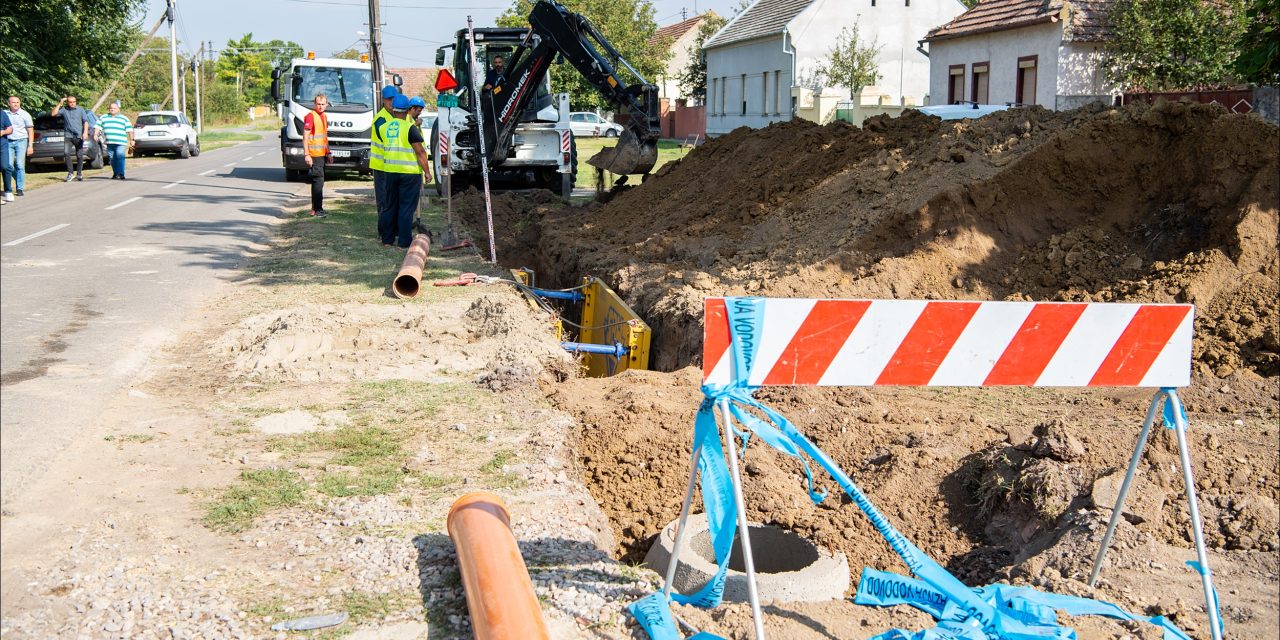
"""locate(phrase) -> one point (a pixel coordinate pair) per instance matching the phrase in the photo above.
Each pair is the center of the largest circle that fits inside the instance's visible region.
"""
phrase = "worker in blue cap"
(404, 163)
(389, 92)
(416, 106)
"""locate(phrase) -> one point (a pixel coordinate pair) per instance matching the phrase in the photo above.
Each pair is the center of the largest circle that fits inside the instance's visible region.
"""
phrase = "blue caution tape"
(996, 612)
(1170, 419)
(1204, 571)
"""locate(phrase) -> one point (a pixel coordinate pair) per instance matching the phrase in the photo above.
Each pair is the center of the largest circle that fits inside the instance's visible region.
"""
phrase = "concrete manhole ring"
(788, 567)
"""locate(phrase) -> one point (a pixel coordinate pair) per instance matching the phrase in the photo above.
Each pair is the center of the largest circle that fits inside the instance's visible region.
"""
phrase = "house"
(678, 38)
(1045, 52)
(760, 66)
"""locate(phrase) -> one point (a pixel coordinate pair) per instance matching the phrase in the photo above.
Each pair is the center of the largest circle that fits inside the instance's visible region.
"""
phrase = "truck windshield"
(343, 87)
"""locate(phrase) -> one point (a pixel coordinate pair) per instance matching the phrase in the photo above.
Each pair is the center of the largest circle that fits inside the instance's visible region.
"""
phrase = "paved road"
(95, 275)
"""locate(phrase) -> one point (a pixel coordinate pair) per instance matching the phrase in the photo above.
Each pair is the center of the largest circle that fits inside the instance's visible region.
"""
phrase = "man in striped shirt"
(119, 133)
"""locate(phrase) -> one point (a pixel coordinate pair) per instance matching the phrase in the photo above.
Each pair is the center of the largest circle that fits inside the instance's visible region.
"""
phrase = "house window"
(1027, 79)
(711, 96)
(981, 82)
(955, 83)
(724, 88)
(777, 92)
(908, 3)
(764, 93)
(873, 3)
(744, 94)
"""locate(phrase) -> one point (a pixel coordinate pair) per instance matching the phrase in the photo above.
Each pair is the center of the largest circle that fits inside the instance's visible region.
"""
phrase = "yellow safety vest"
(397, 154)
(319, 145)
(376, 146)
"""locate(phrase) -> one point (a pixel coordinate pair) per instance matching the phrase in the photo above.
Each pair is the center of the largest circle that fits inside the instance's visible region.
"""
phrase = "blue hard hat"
(400, 103)
(389, 91)
(417, 101)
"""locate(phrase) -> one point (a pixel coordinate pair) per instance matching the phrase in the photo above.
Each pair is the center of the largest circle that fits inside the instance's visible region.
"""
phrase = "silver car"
(585, 124)
(165, 132)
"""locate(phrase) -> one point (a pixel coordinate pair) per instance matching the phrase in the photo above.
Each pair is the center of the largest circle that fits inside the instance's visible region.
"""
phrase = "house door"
(955, 84)
(1027, 80)
(981, 82)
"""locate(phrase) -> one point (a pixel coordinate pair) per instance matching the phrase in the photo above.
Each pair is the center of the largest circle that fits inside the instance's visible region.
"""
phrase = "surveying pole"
(171, 11)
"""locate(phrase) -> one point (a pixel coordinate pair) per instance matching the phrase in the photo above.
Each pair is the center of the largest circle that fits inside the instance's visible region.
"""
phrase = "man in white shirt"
(21, 144)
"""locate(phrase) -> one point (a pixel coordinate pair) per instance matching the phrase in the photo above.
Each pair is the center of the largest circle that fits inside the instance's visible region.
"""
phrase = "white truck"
(348, 84)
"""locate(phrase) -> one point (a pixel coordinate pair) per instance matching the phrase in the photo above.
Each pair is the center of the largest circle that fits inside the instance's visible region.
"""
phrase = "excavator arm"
(554, 30)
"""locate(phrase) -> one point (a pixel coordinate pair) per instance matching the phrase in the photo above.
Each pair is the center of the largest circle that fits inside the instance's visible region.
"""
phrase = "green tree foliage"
(252, 62)
(147, 81)
(1173, 45)
(222, 103)
(850, 63)
(627, 24)
(693, 78)
(347, 54)
(1259, 60)
(50, 49)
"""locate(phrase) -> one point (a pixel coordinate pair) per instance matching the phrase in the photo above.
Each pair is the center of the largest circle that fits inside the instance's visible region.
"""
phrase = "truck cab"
(348, 84)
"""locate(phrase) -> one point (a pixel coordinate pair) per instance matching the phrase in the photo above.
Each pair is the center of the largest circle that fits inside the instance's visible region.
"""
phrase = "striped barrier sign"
(957, 343)
(444, 148)
(565, 137)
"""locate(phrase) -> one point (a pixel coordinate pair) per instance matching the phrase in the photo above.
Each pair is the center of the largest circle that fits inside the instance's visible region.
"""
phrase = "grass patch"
(273, 608)
(254, 494)
(668, 150)
(370, 482)
(498, 461)
(370, 606)
(131, 437)
(211, 140)
(352, 446)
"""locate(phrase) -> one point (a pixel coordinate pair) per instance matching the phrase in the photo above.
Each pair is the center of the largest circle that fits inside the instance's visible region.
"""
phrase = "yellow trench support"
(607, 319)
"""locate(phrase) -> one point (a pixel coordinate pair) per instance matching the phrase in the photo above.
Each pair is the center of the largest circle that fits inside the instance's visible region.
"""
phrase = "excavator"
(526, 128)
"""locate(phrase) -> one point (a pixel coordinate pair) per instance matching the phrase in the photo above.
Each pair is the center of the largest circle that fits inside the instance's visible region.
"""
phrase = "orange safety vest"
(319, 145)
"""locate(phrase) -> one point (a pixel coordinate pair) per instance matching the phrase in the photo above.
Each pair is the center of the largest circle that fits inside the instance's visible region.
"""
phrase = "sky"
(411, 30)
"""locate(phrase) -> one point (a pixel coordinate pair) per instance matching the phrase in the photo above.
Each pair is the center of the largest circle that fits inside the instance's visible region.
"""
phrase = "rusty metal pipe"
(408, 280)
(499, 592)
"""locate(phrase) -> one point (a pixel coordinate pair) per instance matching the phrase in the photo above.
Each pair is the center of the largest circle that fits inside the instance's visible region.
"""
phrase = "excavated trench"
(1168, 203)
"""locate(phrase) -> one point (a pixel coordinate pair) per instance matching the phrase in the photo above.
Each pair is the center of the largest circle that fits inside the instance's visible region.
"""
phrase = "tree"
(147, 81)
(348, 54)
(50, 49)
(850, 63)
(1259, 59)
(1170, 45)
(627, 24)
(249, 64)
(693, 78)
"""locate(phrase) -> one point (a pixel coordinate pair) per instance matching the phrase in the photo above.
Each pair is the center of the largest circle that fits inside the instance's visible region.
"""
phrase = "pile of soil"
(1167, 203)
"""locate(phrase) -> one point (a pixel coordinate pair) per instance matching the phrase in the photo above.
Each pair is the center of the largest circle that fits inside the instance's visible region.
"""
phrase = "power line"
(391, 6)
(399, 35)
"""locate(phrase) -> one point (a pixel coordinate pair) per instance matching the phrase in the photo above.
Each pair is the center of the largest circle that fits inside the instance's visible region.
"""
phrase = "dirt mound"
(336, 343)
(1174, 202)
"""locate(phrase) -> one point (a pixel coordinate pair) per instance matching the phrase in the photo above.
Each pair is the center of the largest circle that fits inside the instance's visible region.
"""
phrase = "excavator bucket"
(629, 156)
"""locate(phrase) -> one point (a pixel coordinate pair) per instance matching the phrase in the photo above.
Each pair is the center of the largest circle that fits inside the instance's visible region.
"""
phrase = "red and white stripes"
(950, 343)
(564, 140)
(444, 148)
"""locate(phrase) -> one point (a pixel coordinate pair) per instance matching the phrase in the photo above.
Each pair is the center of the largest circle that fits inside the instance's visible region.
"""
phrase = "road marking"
(35, 235)
(173, 184)
(205, 173)
(258, 153)
(229, 164)
(247, 159)
(121, 204)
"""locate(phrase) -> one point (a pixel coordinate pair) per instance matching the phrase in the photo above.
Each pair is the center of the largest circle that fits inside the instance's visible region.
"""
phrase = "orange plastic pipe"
(500, 594)
(408, 280)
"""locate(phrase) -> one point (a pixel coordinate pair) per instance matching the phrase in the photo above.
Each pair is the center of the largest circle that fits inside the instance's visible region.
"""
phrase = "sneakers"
(319, 214)
(69, 178)
(8, 197)
(20, 193)
(79, 178)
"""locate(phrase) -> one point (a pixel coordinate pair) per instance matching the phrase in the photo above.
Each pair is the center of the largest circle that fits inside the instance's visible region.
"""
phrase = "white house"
(1045, 52)
(679, 38)
(756, 63)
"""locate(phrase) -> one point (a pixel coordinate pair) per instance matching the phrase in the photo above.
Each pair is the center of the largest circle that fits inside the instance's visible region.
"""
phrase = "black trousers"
(395, 222)
(74, 147)
(317, 183)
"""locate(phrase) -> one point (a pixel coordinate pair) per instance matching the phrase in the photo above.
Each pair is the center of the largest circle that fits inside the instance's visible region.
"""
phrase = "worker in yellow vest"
(376, 145)
(315, 142)
(404, 163)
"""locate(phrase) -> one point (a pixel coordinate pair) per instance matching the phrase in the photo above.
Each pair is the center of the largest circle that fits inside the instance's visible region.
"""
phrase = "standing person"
(405, 163)
(315, 141)
(21, 145)
(118, 132)
(416, 106)
(6, 128)
(376, 149)
(75, 128)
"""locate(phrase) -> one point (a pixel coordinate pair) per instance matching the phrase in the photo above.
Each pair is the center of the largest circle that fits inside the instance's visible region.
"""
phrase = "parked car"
(164, 132)
(49, 137)
(587, 124)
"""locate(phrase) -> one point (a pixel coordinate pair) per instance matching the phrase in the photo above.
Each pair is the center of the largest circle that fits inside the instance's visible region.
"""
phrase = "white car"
(589, 125)
(165, 132)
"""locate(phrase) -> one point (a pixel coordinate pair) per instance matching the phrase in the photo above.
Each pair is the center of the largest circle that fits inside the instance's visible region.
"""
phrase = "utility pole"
(183, 104)
(197, 67)
(375, 45)
(136, 52)
(172, 12)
